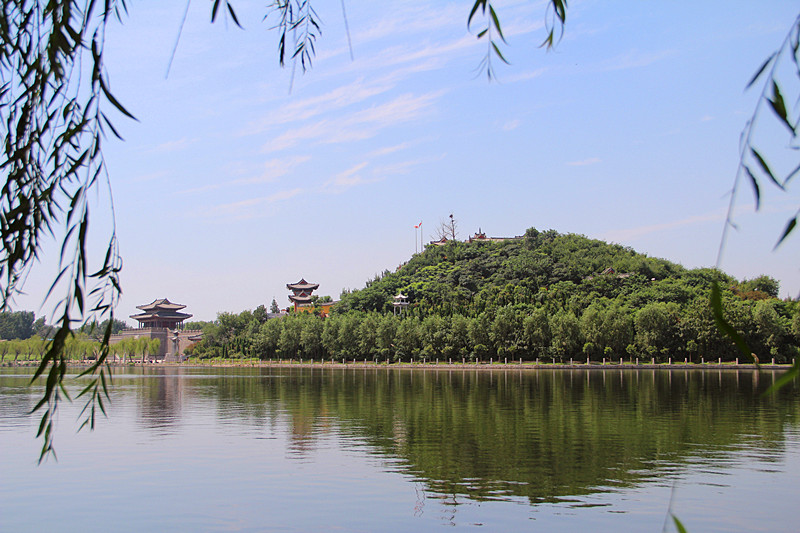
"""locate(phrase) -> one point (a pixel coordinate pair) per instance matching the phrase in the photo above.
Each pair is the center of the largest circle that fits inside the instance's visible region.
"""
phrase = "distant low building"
(324, 308)
(480, 236)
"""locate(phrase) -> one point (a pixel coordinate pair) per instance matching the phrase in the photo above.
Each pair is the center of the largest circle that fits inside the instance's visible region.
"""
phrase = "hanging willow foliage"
(52, 99)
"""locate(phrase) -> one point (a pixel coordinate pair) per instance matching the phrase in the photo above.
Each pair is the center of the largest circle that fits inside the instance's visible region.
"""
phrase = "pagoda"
(301, 292)
(161, 314)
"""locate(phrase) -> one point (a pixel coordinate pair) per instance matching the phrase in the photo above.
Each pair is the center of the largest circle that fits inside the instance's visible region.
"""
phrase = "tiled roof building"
(161, 314)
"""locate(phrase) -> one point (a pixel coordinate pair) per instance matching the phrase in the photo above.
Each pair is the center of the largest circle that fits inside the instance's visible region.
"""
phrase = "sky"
(239, 177)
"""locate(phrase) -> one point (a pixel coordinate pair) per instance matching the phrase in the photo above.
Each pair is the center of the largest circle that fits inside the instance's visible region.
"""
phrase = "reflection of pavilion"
(161, 400)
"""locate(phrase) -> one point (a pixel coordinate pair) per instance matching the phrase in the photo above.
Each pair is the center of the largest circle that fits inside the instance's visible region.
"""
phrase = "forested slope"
(544, 295)
(540, 268)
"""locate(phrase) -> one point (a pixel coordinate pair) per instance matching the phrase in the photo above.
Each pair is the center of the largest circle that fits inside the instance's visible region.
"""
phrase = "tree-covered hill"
(540, 269)
(543, 295)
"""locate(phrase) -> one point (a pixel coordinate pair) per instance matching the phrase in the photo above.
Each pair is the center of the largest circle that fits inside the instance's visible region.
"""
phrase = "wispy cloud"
(309, 108)
(273, 169)
(151, 176)
(524, 76)
(244, 209)
(635, 59)
(585, 162)
(282, 195)
(387, 68)
(357, 126)
(348, 178)
(388, 150)
(402, 167)
(511, 125)
(408, 19)
(173, 146)
(270, 171)
(630, 234)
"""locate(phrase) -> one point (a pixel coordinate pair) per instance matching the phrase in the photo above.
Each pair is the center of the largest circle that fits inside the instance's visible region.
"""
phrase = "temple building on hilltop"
(160, 320)
(301, 292)
(303, 300)
(480, 236)
(161, 314)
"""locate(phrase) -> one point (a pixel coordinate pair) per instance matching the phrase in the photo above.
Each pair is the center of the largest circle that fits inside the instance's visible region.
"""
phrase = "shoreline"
(484, 366)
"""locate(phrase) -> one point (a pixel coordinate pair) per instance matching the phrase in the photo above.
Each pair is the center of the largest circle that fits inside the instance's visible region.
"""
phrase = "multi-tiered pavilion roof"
(301, 291)
(161, 314)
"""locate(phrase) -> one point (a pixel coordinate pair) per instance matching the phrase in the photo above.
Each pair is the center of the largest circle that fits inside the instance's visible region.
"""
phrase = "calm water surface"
(400, 450)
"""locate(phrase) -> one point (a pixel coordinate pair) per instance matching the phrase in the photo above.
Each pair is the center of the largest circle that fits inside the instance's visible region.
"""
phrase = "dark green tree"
(658, 330)
(537, 334)
(16, 325)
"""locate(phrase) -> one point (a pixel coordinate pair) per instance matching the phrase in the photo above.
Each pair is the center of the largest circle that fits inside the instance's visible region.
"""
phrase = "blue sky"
(229, 185)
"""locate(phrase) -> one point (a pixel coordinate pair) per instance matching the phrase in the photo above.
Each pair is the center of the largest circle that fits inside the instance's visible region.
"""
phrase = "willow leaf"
(678, 525)
(779, 106)
(786, 378)
(723, 325)
(789, 228)
(478, 4)
(765, 167)
(496, 22)
(760, 70)
(754, 183)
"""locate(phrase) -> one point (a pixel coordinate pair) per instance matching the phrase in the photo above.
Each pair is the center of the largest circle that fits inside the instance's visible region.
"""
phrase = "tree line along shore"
(543, 296)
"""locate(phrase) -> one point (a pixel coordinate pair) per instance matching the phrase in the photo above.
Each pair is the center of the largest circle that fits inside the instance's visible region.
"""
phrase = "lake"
(368, 449)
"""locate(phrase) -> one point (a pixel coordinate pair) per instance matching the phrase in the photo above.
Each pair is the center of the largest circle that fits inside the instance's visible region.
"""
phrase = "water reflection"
(160, 401)
(475, 436)
(544, 436)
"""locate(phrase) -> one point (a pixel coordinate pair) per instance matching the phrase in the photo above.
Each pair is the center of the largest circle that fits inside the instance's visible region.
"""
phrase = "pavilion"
(301, 292)
(302, 298)
(162, 320)
(161, 314)
(400, 303)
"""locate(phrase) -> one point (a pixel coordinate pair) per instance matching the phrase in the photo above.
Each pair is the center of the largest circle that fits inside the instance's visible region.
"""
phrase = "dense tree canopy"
(17, 325)
(541, 296)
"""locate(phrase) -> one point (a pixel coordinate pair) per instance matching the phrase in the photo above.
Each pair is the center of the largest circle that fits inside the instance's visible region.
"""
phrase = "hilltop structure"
(479, 236)
(301, 292)
(162, 320)
(303, 299)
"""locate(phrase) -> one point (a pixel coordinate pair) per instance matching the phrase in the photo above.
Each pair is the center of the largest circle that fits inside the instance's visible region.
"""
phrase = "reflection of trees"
(540, 435)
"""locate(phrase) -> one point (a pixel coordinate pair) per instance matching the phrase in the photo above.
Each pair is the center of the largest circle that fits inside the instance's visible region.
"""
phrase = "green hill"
(539, 269)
